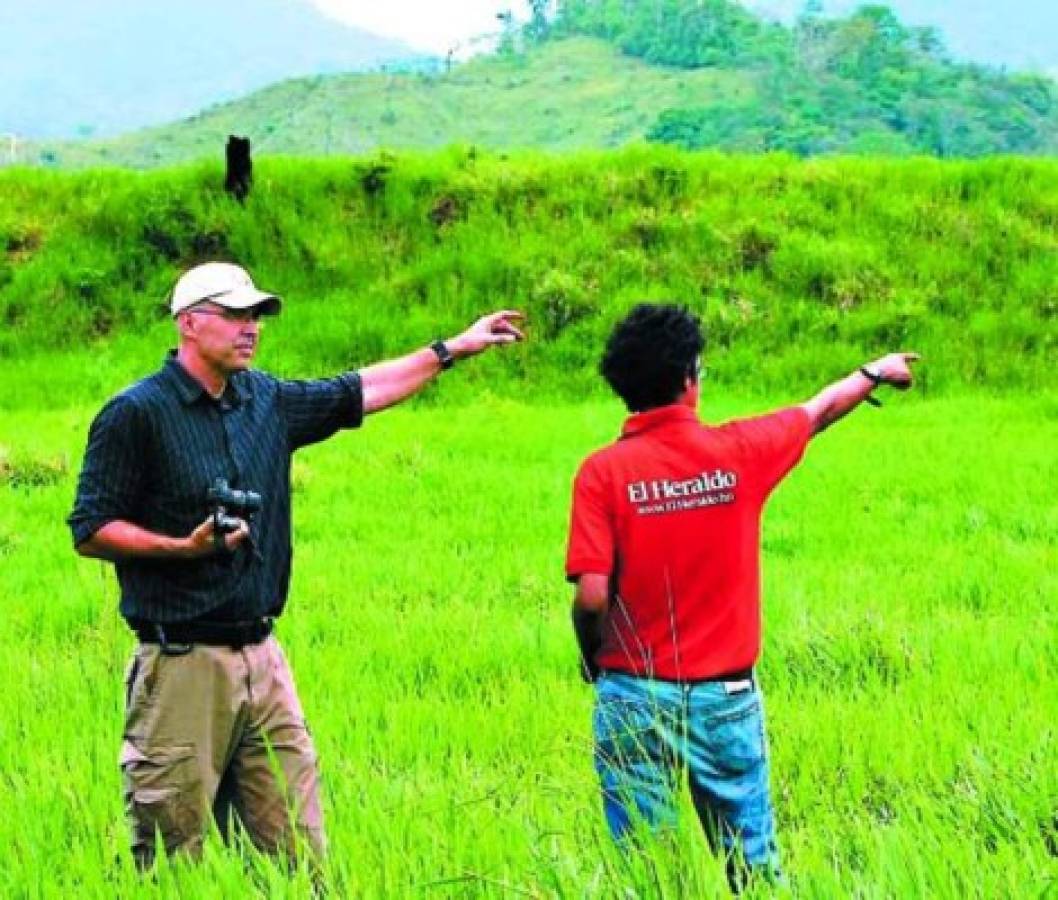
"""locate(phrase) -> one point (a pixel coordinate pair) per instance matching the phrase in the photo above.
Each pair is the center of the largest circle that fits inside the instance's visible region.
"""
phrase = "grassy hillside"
(576, 93)
(800, 269)
(603, 73)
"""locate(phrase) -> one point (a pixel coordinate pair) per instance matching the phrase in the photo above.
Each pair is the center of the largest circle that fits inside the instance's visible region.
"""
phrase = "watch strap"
(876, 379)
(443, 354)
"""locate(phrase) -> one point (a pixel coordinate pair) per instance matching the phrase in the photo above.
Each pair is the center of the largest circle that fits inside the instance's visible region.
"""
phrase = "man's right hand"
(488, 331)
(202, 542)
(120, 540)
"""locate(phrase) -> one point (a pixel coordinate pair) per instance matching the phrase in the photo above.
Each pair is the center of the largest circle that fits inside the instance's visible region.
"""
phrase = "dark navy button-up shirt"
(155, 449)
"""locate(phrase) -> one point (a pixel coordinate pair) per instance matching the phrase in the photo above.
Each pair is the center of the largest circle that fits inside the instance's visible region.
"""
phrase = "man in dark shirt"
(213, 723)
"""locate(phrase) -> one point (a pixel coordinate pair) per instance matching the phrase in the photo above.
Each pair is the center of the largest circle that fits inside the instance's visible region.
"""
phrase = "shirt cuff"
(587, 566)
(83, 529)
(354, 416)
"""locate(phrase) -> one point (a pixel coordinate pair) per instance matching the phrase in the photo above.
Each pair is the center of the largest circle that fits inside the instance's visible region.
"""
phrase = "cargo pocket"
(163, 796)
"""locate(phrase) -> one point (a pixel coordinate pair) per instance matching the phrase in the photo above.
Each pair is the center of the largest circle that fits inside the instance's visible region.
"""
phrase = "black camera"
(227, 506)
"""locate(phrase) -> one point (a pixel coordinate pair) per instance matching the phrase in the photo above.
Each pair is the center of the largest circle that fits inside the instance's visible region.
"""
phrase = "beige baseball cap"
(224, 284)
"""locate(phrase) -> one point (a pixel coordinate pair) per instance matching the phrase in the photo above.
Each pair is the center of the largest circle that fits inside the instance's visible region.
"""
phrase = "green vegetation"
(578, 93)
(604, 73)
(910, 642)
(799, 268)
(691, 34)
(909, 563)
(865, 83)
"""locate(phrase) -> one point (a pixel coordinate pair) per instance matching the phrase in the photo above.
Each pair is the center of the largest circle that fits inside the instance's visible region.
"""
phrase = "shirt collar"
(190, 389)
(675, 414)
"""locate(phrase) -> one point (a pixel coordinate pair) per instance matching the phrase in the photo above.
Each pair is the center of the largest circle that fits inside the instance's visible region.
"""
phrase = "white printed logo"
(665, 495)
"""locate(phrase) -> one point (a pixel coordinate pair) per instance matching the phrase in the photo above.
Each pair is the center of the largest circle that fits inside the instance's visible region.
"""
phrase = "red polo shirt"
(671, 511)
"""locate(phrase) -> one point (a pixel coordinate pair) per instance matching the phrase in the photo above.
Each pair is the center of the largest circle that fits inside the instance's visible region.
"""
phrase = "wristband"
(443, 354)
(876, 379)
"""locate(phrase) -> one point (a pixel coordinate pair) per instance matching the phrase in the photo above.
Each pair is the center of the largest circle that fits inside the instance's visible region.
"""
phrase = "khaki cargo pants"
(212, 733)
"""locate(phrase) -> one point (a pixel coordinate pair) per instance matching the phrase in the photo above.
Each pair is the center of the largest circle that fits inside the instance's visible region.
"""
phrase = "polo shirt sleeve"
(591, 532)
(112, 474)
(314, 410)
(773, 444)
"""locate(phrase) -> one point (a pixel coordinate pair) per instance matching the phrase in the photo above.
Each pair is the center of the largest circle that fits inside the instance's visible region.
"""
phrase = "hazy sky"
(435, 25)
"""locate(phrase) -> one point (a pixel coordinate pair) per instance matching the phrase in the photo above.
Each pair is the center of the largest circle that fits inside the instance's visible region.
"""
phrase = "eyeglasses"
(242, 316)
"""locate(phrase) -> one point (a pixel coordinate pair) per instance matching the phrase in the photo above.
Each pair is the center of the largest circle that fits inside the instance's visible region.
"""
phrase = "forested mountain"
(571, 94)
(866, 82)
(1016, 34)
(602, 73)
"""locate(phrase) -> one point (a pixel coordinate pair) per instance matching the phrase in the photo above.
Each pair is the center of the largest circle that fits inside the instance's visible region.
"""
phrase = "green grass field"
(911, 652)
(911, 640)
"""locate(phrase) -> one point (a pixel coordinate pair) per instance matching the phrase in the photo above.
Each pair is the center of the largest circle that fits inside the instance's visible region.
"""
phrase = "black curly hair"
(650, 353)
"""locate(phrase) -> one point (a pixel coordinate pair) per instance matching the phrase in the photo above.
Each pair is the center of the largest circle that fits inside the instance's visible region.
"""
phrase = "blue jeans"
(648, 732)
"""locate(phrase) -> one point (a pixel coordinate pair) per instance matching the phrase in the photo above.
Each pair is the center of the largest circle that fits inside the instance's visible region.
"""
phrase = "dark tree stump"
(240, 168)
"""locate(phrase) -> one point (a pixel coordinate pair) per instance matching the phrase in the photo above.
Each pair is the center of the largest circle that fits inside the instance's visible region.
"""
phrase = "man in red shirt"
(664, 550)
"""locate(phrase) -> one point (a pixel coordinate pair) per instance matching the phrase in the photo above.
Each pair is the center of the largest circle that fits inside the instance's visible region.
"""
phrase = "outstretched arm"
(388, 383)
(837, 400)
(590, 605)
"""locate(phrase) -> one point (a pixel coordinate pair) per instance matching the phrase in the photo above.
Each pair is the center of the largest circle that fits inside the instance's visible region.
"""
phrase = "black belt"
(213, 634)
(736, 675)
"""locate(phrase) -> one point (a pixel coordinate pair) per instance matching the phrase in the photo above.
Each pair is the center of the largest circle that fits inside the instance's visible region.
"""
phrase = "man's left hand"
(488, 331)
